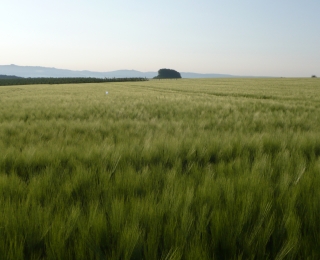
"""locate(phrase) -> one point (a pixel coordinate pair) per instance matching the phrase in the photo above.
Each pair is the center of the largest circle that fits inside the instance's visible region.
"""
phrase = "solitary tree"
(168, 74)
(313, 76)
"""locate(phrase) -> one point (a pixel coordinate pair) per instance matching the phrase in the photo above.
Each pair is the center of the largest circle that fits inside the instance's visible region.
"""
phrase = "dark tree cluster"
(32, 81)
(9, 77)
(168, 74)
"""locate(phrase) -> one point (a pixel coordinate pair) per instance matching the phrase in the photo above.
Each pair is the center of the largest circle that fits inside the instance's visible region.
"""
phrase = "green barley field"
(161, 169)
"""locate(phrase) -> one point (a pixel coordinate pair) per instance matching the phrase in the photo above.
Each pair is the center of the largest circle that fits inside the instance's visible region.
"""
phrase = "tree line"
(9, 77)
(31, 81)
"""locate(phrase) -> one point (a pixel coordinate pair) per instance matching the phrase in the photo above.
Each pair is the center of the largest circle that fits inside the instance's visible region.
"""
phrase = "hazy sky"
(240, 37)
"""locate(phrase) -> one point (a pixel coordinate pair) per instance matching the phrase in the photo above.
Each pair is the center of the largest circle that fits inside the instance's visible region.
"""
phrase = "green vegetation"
(9, 77)
(168, 74)
(191, 169)
(11, 81)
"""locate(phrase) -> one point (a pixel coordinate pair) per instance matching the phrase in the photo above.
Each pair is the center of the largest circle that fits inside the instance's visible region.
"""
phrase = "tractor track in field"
(262, 98)
(217, 94)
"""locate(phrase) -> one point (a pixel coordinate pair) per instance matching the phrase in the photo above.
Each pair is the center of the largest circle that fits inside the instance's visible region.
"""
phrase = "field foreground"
(170, 169)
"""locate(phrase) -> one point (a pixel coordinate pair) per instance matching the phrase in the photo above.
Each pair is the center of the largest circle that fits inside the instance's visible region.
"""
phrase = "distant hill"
(193, 75)
(39, 72)
(45, 72)
(9, 77)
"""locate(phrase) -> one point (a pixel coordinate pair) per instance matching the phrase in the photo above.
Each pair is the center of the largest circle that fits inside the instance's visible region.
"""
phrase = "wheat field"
(161, 169)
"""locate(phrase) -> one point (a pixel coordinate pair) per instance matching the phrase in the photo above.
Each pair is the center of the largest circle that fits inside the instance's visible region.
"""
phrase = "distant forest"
(13, 80)
(9, 77)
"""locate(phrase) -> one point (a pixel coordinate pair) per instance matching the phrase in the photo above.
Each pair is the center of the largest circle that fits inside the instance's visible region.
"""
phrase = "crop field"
(161, 169)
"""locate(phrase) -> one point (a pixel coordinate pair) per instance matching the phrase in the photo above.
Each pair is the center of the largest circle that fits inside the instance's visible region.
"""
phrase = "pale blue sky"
(240, 37)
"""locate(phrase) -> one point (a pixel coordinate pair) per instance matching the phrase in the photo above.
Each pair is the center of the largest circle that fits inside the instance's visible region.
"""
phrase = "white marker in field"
(106, 92)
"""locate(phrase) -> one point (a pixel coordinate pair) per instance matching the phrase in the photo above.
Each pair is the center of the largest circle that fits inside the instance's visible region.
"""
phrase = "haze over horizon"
(227, 37)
